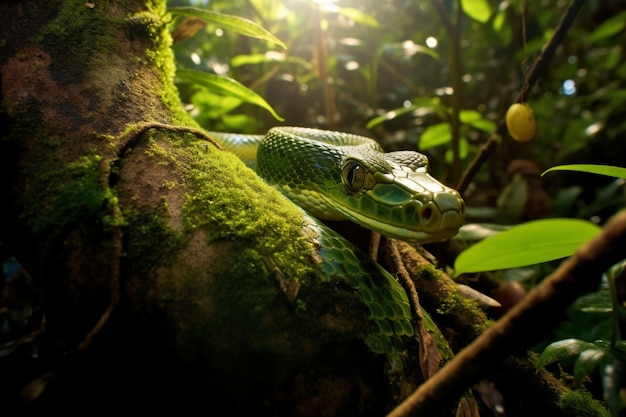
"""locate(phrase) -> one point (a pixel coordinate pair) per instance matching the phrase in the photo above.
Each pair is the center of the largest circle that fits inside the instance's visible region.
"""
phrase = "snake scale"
(336, 175)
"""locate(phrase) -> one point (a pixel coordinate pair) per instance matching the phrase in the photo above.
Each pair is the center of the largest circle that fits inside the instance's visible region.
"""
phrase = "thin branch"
(129, 138)
(524, 324)
(488, 148)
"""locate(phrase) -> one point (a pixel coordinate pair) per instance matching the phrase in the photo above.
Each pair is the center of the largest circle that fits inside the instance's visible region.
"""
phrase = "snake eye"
(354, 175)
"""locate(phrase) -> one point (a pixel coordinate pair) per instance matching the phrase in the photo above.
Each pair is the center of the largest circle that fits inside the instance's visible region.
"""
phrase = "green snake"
(335, 175)
(342, 176)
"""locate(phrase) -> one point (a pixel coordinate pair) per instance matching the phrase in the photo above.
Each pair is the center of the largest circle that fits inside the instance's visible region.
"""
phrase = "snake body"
(335, 175)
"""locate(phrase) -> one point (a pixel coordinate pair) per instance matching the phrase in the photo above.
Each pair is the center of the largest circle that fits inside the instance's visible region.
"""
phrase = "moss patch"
(88, 32)
(146, 230)
(67, 195)
(229, 201)
(579, 403)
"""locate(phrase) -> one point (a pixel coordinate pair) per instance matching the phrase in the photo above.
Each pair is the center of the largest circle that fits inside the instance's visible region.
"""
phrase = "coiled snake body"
(335, 175)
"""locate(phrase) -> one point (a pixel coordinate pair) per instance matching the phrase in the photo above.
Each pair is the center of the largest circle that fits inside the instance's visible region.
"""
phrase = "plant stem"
(489, 147)
(615, 331)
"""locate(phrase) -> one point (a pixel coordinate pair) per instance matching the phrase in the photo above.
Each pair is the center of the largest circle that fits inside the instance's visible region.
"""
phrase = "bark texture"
(168, 258)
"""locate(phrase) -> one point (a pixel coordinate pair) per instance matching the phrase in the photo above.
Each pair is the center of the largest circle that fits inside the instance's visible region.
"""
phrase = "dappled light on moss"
(244, 209)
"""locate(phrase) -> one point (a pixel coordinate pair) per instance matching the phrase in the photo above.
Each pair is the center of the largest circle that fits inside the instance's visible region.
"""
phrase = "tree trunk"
(168, 258)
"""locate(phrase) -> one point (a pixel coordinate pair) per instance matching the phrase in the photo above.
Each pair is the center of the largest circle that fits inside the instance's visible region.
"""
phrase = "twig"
(487, 149)
(405, 278)
(374, 245)
(129, 138)
(429, 364)
(533, 316)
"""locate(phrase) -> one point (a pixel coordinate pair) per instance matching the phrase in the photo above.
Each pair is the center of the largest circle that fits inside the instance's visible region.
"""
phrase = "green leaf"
(587, 362)
(270, 56)
(526, 244)
(358, 16)
(435, 135)
(478, 10)
(421, 103)
(498, 21)
(390, 115)
(476, 120)
(225, 86)
(469, 116)
(235, 23)
(562, 350)
(485, 125)
(595, 302)
(608, 170)
(612, 373)
(608, 28)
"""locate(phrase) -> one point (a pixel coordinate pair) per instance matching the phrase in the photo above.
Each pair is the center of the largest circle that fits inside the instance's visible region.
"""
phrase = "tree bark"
(175, 280)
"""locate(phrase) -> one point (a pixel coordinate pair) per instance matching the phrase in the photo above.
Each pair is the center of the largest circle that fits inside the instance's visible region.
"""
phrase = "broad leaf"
(478, 10)
(271, 56)
(608, 170)
(435, 135)
(235, 23)
(562, 350)
(423, 104)
(611, 372)
(526, 244)
(390, 115)
(225, 86)
(358, 16)
(469, 116)
(476, 120)
(587, 362)
(608, 28)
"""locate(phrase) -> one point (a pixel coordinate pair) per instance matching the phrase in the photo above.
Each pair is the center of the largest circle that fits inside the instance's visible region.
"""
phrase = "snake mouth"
(435, 220)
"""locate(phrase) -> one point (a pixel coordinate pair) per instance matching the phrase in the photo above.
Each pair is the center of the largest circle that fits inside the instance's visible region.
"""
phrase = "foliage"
(610, 171)
(527, 244)
(439, 76)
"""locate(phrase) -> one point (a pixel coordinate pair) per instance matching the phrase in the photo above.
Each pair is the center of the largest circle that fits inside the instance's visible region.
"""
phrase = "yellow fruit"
(520, 121)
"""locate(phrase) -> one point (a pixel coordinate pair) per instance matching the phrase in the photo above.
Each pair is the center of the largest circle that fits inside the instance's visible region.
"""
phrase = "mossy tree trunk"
(170, 260)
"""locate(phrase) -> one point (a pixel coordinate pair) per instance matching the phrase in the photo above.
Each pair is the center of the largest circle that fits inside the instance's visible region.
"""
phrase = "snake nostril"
(427, 213)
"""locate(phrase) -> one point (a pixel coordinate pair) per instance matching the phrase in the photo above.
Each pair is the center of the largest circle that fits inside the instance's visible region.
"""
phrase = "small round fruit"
(520, 121)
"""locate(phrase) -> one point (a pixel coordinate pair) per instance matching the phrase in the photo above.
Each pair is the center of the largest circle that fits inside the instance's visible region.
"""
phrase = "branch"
(534, 315)
(131, 136)
(487, 149)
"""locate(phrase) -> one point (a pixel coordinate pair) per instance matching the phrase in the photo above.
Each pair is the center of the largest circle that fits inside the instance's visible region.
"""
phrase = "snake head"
(395, 195)
(335, 176)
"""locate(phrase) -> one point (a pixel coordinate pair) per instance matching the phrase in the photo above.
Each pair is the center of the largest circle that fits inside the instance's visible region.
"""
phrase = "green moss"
(229, 201)
(63, 196)
(579, 403)
(142, 253)
(94, 35)
(428, 272)
(88, 33)
(161, 56)
(456, 303)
